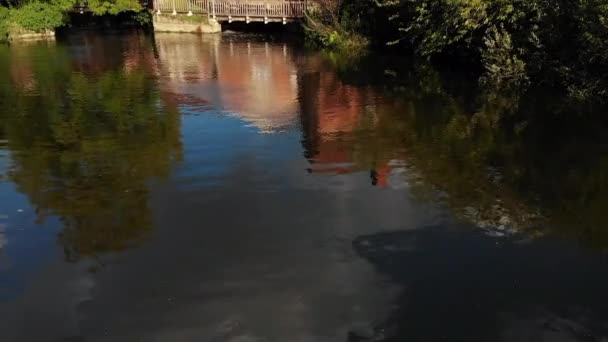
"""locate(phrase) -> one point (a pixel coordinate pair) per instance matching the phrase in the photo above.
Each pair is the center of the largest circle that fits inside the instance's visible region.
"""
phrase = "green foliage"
(562, 42)
(325, 28)
(502, 65)
(101, 7)
(34, 16)
(143, 18)
(4, 21)
(38, 16)
(335, 38)
(41, 15)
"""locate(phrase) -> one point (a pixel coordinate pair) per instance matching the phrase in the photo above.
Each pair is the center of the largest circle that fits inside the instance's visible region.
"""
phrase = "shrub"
(500, 61)
(101, 7)
(4, 20)
(327, 28)
(563, 42)
(38, 16)
(142, 18)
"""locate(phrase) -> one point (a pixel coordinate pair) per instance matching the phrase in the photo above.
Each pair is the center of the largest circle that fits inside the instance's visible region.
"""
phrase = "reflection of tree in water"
(510, 158)
(85, 148)
(336, 117)
(499, 159)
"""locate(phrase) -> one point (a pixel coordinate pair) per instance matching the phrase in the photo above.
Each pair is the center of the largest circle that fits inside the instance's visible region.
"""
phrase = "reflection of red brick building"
(332, 115)
(21, 71)
(20, 67)
(380, 175)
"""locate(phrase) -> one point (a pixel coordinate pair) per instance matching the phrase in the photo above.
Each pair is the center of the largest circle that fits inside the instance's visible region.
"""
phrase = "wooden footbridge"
(236, 10)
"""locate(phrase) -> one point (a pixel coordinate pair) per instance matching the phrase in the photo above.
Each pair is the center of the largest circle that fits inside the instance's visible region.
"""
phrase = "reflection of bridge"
(237, 10)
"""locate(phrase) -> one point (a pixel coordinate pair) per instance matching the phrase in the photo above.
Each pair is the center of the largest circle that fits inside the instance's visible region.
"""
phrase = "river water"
(241, 188)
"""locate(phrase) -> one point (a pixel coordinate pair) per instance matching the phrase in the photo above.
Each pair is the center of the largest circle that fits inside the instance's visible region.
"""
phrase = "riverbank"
(19, 34)
(514, 44)
(183, 23)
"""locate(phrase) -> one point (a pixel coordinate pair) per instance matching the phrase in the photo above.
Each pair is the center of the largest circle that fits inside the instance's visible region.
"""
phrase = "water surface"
(240, 188)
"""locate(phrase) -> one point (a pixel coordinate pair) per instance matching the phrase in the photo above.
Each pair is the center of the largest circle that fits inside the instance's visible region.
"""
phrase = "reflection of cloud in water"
(48, 310)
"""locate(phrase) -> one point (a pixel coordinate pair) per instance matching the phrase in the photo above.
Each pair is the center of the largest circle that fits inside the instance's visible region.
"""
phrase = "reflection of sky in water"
(216, 141)
(28, 246)
(24, 246)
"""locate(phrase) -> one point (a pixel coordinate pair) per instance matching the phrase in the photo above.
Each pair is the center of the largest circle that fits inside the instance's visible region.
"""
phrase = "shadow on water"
(466, 286)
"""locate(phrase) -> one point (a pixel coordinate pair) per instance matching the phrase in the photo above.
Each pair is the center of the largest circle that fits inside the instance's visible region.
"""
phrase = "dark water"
(238, 188)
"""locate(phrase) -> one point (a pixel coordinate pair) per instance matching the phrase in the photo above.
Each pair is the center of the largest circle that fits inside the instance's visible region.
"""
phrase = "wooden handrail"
(285, 9)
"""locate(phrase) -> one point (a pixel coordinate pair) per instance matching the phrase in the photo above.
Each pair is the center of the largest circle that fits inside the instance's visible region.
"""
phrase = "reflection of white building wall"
(260, 73)
(255, 81)
(186, 58)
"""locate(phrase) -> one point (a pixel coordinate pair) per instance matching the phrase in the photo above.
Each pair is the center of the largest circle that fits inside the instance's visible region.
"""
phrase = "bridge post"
(265, 12)
(213, 8)
(174, 11)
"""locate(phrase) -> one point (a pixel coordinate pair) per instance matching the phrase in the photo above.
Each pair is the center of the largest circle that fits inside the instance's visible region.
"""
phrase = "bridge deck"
(234, 10)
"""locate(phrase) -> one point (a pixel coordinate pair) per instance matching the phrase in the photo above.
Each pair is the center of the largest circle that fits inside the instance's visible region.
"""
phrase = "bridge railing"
(180, 6)
(235, 8)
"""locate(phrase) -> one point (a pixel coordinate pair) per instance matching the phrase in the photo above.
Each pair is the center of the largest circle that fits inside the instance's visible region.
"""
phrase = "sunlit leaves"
(100, 7)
